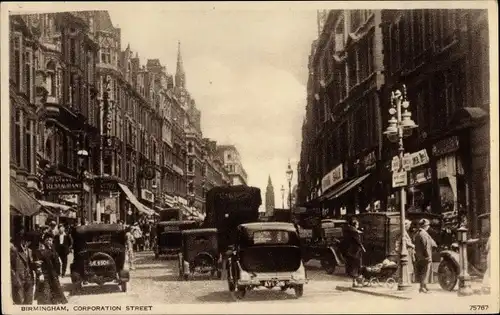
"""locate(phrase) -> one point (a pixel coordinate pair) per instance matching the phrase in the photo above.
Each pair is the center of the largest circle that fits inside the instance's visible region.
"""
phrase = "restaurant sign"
(107, 185)
(332, 178)
(62, 184)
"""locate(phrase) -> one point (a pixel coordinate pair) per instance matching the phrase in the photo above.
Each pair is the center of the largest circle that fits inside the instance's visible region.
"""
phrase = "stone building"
(441, 56)
(233, 165)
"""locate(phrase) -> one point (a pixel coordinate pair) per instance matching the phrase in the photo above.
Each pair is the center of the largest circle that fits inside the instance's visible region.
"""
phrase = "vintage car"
(199, 253)
(449, 267)
(169, 238)
(266, 254)
(99, 256)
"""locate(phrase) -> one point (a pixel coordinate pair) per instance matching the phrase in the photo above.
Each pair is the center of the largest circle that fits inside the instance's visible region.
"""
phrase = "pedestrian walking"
(137, 233)
(129, 247)
(62, 245)
(48, 288)
(423, 255)
(410, 247)
(353, 250)
(22, 270)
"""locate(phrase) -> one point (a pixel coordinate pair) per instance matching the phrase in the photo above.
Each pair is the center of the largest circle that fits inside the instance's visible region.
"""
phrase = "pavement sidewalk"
(435, 291)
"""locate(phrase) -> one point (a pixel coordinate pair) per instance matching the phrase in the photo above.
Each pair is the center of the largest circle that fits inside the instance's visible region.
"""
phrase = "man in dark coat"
(423, 255)
(48, 287)
(353, 250)
(62, 245)
(22, 267)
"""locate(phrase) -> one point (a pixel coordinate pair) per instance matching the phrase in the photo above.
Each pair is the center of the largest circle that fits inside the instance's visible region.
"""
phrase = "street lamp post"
(282, 197)
(82, 157)
(289, 175)
(401, 126)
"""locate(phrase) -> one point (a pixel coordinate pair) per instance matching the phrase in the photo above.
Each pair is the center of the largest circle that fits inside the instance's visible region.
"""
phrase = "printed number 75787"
(478, 307)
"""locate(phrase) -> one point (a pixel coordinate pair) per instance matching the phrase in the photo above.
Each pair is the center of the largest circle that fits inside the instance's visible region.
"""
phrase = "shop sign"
(420, 177)
(399, 179)
(332, 178)
(407, 161)
(395, 164)
(107, 185)
(369, 161)
(446, 146)
(107, 116)
(147, 195)
(182, 201)
(419, 158)
(59, 183)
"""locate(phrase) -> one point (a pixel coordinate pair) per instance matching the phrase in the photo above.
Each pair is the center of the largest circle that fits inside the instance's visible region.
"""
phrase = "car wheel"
(123, 286)
(240, 293)
(299, 290)
(329, 265)
(447, 275)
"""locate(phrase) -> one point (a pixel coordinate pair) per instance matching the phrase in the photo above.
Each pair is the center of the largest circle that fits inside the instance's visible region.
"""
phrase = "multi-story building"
(215, 173)
(232, 163)
(195, 158)
(360, 57)
(53, 74)
(341, 134)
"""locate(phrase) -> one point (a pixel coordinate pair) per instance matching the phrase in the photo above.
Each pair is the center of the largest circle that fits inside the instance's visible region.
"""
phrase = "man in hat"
(22, 266)
(423, 254)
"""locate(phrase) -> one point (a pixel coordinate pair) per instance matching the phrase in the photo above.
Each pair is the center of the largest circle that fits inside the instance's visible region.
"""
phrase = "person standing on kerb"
(424, 244)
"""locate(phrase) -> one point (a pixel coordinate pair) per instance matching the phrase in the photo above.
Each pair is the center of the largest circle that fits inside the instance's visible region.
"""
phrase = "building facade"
(215, 173)
(52, 71)
(360, 57)
(269, 198)
(232, 163)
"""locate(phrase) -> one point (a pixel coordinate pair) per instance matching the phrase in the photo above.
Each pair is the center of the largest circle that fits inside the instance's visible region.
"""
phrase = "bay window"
(17, 136)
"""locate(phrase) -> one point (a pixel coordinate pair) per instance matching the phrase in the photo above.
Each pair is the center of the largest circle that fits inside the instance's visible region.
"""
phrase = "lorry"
(229, 206)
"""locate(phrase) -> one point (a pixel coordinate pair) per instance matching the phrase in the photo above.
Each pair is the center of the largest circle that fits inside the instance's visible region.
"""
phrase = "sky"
(247, 71)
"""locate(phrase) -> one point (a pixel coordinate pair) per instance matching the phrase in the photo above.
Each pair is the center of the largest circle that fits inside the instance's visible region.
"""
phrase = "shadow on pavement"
(95, 289)
(175, 277)
(251, 296)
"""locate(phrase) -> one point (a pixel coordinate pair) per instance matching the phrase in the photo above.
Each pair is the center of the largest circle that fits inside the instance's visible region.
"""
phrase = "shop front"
(134, 208)
(23, 207)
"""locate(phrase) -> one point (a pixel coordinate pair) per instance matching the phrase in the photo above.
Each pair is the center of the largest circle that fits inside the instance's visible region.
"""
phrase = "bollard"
(464, 288)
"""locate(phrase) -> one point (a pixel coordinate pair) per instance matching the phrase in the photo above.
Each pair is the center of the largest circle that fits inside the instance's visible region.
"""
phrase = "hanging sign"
(407, 161)
(419, 158)
(395, 164)
(399, 179)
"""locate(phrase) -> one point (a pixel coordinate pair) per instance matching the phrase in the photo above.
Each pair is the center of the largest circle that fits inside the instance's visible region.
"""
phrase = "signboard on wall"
(445, 146)
(62, 184)
(147, 195)
(332, 178)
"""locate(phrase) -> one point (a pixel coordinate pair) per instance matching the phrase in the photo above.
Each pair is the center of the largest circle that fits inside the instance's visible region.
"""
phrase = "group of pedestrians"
(38, 260)
(420, 249)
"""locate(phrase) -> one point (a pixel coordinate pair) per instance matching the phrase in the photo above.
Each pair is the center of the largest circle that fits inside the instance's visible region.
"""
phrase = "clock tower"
(180, 75)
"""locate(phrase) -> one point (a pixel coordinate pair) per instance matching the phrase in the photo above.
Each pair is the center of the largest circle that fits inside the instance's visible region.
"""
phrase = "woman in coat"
(424, 244)
(48, 287)
(410, 247)
(353, 250)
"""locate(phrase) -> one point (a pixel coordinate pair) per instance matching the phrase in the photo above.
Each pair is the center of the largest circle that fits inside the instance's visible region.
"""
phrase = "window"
(356, 19)
(118, 165)
(105, 55)
(352, 67)
(395, 47)
(190, 165)
(51, 78)
(73, 50)
(17, 61)
(339, 36)
(28, 75)
(17, 136)
(190, 147)
(29, 153)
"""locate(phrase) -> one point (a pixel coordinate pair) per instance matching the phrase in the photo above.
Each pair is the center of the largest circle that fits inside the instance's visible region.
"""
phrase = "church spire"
(269, 183)
(180, 76)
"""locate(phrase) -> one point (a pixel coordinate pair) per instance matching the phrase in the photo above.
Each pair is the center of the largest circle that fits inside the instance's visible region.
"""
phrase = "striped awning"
(21, 202)
(133, 199)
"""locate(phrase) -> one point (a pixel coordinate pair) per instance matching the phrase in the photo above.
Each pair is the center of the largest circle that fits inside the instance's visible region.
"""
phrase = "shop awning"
(63, 210)
(22, 202)
(353, 183)
(332, 193)
(133, 199)
(345, 187)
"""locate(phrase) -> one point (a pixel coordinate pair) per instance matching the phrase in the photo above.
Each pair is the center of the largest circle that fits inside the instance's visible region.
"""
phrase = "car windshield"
(271, 237)
(91, 238)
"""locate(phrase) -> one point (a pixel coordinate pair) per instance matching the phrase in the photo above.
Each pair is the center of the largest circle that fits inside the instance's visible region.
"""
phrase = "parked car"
(199, 253)
(169, 236)
(266, 254)
(99, 256)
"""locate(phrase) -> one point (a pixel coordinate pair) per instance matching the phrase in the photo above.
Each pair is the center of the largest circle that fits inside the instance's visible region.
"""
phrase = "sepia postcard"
(250, 157)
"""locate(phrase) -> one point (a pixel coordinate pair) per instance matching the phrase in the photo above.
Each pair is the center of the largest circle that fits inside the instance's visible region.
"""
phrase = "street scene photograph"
(250, 158)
